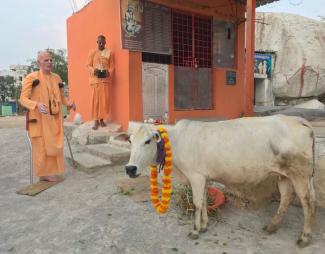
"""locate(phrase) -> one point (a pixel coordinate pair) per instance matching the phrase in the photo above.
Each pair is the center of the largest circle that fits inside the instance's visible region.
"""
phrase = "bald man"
(42, 94)
(101, 66)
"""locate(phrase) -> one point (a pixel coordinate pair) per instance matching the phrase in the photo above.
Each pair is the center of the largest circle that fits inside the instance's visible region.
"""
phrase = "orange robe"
(100, 59)
(45, 131)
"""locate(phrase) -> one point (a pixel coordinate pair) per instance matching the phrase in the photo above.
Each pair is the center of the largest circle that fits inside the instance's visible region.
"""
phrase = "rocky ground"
(88, 214)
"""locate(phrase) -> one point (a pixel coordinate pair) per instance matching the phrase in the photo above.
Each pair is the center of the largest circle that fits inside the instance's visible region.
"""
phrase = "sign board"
(146, 26)
(132, 24)
(263, 65)
(230, 77)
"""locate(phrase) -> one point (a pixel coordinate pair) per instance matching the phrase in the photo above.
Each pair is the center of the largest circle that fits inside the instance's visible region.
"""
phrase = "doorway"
(155, 91)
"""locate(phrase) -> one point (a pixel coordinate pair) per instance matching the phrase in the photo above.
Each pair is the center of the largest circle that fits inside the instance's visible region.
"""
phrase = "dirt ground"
(12, 121)
(86, 213)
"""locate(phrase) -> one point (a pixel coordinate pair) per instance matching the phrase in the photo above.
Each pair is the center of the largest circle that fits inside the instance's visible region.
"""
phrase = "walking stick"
(70, 150)
(31, 176)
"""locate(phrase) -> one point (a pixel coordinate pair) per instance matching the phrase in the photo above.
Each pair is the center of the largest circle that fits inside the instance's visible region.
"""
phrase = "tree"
(59, 63)
(7, 88)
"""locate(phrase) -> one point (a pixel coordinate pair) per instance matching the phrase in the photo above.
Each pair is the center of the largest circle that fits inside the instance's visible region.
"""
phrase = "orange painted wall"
(103, 17)
(83, 27)
(136, 86)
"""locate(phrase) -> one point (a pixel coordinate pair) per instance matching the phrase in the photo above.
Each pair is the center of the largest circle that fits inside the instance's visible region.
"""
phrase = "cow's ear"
(156, 137)
(121, 137)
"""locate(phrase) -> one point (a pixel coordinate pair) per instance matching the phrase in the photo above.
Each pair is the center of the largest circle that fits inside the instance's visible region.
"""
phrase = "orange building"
(173, 58)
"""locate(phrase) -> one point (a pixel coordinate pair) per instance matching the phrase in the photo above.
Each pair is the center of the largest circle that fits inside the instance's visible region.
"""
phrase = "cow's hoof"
(304, 240)
(203, 230)
(270, 228)
(193, 236)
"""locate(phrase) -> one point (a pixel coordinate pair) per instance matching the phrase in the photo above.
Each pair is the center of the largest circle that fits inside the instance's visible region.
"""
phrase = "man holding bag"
(42, 94)
(101, 66)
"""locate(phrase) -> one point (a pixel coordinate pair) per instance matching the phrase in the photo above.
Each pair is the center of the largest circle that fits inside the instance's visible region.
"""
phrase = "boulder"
(298, 42)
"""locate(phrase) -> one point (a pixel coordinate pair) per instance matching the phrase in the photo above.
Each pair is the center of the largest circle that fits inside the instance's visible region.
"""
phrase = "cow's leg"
(198, 187)
(305, 191)
(286, 192)
(204, 213)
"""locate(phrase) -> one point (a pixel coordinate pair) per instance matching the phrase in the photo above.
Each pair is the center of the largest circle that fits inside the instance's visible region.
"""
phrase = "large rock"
(299, 44)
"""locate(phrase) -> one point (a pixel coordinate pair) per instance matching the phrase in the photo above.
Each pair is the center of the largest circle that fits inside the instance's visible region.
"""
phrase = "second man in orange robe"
(101, 66)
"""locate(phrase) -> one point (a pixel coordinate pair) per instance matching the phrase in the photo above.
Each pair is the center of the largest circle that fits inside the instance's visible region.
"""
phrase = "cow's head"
(143, 150)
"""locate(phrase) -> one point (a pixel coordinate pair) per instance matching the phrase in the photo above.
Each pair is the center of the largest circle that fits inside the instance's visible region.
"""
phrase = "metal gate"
(192, 58)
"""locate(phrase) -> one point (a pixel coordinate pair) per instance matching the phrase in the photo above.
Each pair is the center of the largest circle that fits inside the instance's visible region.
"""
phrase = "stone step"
(117, 155)
(88, 162)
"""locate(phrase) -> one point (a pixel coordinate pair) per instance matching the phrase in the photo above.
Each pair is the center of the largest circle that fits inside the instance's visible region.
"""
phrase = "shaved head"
(101, 37)
(42, 53)
(101, 42)
(44, 61)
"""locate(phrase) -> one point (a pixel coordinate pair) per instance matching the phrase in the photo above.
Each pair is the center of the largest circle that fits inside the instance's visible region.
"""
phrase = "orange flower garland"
(162, 206)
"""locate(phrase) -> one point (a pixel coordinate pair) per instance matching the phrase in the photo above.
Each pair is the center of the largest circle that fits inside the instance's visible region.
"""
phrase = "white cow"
(242, 151)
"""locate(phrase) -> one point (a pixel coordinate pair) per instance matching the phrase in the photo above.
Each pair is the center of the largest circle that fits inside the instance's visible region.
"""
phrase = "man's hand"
(42, 108)
(71, 105)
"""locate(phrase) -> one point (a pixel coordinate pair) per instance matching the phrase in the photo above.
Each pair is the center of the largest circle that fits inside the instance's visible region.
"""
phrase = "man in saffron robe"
(101, 66)
(42, 94)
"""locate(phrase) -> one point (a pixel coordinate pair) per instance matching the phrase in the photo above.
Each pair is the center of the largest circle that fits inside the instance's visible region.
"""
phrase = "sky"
(27, 26)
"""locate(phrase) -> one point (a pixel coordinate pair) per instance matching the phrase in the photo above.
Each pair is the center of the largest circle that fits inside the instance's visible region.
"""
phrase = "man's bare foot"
(51, 178)
(96, 125)
(102, 123)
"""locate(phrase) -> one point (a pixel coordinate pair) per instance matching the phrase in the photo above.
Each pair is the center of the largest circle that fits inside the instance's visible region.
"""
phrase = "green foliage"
(7, 88)
(59, 57)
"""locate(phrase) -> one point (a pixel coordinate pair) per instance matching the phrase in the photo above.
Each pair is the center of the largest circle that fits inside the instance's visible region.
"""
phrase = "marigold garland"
(162, 206)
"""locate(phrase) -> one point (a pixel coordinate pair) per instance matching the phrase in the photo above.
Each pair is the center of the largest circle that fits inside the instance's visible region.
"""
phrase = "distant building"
(17, 71)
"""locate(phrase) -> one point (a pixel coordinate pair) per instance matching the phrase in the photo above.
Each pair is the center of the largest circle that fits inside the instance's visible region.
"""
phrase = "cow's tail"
(312, 188)
(311, 182)
(312, 135)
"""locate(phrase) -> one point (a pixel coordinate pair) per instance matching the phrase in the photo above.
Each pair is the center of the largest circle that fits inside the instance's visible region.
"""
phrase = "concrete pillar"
(250, 47)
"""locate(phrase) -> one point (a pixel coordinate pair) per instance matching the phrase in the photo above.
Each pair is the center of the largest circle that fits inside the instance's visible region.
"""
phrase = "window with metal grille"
(192, 38)
(202, 41)
(182, 39)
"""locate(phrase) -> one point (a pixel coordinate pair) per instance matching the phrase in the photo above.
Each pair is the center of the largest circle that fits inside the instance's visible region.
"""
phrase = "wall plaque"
(230, 77)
